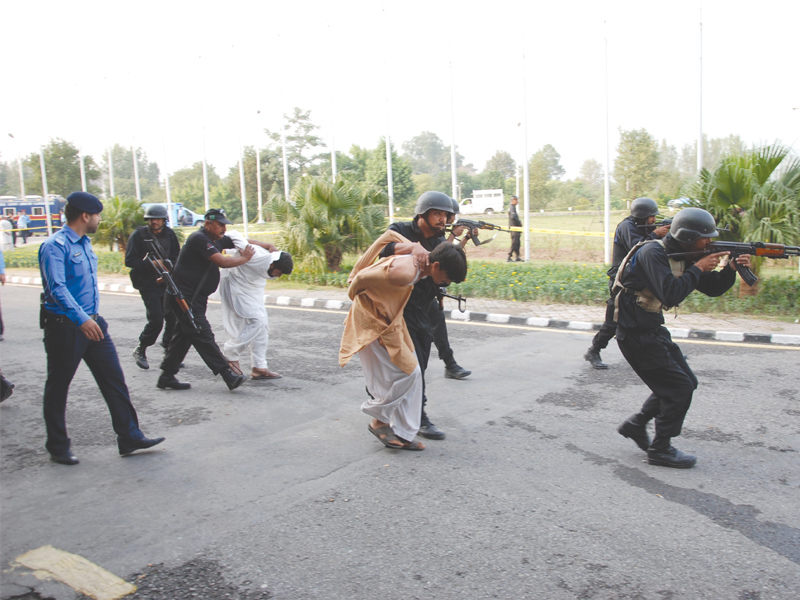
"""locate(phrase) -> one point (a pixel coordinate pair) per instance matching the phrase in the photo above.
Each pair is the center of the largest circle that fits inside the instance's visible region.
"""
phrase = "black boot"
(232, 380)
(140, 357)
(663, 454)
(593, 356)
(170, 382)
(635, 428)
(429, 430)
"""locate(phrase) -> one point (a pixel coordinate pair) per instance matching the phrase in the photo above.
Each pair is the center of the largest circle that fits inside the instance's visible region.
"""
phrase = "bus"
(36, 209)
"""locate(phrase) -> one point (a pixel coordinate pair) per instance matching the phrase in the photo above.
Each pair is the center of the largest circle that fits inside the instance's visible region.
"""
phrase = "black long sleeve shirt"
(649, 268)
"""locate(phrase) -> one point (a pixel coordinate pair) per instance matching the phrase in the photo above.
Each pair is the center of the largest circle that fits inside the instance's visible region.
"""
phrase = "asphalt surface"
(277, 490)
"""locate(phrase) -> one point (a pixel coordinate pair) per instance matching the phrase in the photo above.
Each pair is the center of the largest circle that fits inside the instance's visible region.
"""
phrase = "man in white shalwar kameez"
(376, 330)
(244, 315)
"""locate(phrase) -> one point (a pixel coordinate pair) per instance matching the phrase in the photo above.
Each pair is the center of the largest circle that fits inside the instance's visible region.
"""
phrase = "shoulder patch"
(58, 239)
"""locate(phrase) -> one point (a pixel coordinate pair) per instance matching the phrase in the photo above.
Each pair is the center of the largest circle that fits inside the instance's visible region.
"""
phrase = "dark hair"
(452, 260)
(284, 263)
(72, 213)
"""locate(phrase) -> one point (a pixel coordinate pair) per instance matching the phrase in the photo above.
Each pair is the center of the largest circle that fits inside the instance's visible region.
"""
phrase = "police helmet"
(155, 211)
(456, 210)
(641, 208)
(691, 224)
(433, 201)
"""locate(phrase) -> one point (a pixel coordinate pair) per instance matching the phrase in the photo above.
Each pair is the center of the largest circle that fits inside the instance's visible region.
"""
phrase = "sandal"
(390, 440)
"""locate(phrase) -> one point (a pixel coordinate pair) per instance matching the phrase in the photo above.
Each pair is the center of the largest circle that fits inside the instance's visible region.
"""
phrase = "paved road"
(277, 490)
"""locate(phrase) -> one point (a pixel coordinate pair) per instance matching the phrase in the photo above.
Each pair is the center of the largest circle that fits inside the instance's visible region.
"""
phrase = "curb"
(482, 317)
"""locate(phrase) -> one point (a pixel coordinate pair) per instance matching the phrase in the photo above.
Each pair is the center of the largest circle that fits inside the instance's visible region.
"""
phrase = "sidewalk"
(563, 316)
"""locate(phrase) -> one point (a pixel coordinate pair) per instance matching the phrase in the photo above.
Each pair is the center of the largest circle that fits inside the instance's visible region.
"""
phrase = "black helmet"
(456, 210)
(691, 224)
(641, 208)
(155, 211)
(433, 201)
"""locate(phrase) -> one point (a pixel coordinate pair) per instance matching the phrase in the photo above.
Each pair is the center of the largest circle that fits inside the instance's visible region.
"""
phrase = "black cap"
(85, 202)
(218, 215)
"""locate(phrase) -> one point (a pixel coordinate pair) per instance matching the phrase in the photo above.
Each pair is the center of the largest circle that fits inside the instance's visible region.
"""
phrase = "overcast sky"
(169, 75)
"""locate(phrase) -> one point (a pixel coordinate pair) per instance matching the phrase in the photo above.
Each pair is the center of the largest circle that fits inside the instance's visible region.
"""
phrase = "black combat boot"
(232, 380)
(428, 429)
(140, 357)
(663, 454)
(593, 356)
(635, 428)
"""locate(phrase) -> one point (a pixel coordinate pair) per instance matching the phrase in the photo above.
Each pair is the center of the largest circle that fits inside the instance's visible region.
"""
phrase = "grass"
(555, 275)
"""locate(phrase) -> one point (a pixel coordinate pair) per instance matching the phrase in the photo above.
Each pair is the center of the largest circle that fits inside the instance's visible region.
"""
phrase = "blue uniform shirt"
(69, 275)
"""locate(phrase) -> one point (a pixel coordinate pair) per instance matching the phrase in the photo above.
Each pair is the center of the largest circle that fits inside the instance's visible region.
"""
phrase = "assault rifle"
(471, 225)
(163, 267)
(648, 227)
(442, 294)
(736, 249)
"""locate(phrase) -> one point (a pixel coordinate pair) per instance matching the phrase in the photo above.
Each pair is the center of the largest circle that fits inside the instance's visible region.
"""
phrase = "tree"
(325, 220)
(591, 179)
(544, 167)
(120, 217)
(187, 186)
(302, 145)
(636, 165)
(669, 180)
(755, 195)
(402, 183)
(502, 162)
(125, 176)
(63, 169)
(426, 153)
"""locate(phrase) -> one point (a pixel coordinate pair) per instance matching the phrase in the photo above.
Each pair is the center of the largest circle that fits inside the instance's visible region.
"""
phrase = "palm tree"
(119, 218)
(755, 195)
(325, 220)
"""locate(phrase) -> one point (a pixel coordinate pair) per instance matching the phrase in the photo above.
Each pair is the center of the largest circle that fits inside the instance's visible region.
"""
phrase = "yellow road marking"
(76, 572)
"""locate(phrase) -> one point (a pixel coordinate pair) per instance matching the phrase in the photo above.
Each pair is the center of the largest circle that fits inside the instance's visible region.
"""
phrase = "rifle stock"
(737, 249)
(442, 294)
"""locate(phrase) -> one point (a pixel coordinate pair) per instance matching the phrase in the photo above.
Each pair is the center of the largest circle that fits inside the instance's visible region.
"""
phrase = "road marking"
(520, 327)
(76, 572)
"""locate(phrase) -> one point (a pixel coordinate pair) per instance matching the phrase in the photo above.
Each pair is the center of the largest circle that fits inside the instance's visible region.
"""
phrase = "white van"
(180, 214)
(485, 202)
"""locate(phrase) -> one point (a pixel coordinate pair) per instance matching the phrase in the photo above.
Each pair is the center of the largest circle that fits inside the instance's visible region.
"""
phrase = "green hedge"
(562, 284)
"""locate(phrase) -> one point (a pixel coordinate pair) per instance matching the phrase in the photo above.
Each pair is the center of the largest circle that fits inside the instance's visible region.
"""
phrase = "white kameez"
(244, 315)
(397, 395)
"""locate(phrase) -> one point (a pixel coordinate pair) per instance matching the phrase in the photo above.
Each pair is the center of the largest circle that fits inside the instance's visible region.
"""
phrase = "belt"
(54, 318)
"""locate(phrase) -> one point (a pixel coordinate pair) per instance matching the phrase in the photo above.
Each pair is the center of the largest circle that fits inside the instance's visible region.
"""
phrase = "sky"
(184, 80)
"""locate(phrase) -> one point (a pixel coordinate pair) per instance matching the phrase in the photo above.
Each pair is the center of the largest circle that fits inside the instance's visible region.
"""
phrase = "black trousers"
(515, 243)
(607, 330)
(419, 328)
(186, 336)
(157, 318)
(660, 364)
(66, 346)
(439, 331)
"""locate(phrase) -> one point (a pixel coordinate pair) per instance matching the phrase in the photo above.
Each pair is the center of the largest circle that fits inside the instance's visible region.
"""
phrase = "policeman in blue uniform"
(74, 331)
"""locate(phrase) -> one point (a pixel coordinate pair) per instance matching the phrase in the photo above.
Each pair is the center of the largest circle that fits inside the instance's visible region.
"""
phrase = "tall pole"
(110, 174)
(453, 166)
(172, 222)
(136, 173)
(526, 179)
(389, 175)
(285, 160)
(21, 179)
(258, 186)
(607, 182)
(206, 194)
(83, 172)
(242, 187)
(334, 170)
(700, 139)
(45, 192)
